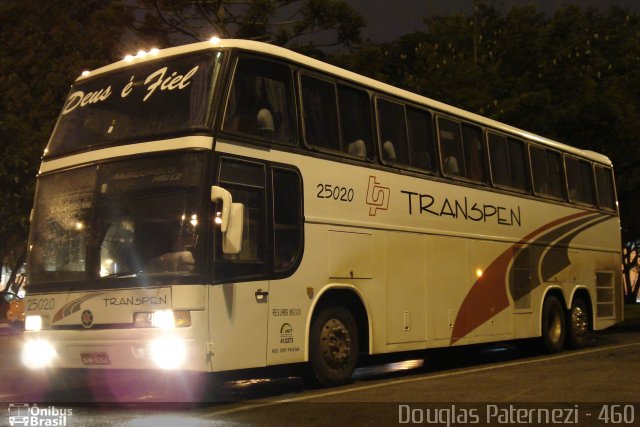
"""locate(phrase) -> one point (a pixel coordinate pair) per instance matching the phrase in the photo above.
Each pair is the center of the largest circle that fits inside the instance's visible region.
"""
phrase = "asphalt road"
(496, 385)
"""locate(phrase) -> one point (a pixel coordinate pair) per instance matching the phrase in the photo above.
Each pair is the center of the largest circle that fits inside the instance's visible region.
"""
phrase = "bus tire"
(333, 346)
(578, 324)
(553, 324)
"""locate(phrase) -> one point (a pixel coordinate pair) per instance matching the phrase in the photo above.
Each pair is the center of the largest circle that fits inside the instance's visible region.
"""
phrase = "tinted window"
(355, 122)
(142, 101)
(604, 182)
(508, 168)
(287, 219)
(246, 183)
(132, 218)
(579, 180)
(421, 144)
(450, 137)
(337, 117)
(320, 112)
(261, 101)
(473, 152)
(547, 172)
(461, 149)
(393, 132)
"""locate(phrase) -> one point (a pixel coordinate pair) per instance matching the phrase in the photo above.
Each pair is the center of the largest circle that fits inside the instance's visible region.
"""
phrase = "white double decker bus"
(230, 205)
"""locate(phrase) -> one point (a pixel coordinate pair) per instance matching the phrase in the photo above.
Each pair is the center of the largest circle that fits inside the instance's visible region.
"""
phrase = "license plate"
(95, 359)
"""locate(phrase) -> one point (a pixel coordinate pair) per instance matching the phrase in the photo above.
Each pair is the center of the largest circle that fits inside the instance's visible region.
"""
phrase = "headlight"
(162, 319)
(168, 352)
(38, 354)
(33, 323)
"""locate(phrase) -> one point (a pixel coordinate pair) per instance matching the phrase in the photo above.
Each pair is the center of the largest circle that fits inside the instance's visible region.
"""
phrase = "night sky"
(389, 19)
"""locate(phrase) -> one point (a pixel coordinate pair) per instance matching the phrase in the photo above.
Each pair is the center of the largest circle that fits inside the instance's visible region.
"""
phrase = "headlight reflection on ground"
(388, 368)
(166, 420)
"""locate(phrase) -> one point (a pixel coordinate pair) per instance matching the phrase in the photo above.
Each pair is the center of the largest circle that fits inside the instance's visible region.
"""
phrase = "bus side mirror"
(231, 220)
(232, 239)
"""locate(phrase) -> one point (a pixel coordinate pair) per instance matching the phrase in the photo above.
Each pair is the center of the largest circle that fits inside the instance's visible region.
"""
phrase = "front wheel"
(578, 324)
(333, 346)
(553, 324)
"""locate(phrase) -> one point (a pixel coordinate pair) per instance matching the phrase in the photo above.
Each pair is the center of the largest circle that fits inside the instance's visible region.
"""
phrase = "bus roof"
(324, 67)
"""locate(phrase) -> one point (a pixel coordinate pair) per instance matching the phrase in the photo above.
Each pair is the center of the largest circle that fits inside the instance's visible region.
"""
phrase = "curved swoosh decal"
(73, 306)
(488, 295)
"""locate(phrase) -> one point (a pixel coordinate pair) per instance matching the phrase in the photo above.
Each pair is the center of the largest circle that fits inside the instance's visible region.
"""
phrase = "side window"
(336, 117)
(579, 180)
(422, 147)
(547, 172)
(320, 112)
(508, 167)
(604, 184)
(450, 138)
(261, 101)
(355, 122)
(473, 152)
(287, 219)
(246, 183)
(266, 248)
(461, 149)
(406, 135)
(393, 132)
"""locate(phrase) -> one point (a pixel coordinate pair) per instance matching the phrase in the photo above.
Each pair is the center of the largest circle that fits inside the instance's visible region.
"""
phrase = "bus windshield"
(125, 219)
(150, 100)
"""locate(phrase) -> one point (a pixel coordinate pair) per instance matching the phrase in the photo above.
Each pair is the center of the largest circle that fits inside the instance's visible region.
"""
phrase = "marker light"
(154, 51)
(214, 40)
(38, 354)
(86, 72)
(33, 323)
(478, 273)
(128, 58)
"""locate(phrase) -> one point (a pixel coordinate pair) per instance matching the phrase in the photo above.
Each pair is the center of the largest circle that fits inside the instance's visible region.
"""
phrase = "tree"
(301, 24)
(45, 46)
(630, 255)
(572, 76)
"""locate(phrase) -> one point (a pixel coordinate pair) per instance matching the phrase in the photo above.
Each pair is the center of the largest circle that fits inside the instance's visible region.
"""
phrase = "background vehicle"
(16, 315)
(6, 298)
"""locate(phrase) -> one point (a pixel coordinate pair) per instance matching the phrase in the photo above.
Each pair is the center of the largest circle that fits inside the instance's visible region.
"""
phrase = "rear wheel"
(578, 324)
(553, 324)
(333, 346)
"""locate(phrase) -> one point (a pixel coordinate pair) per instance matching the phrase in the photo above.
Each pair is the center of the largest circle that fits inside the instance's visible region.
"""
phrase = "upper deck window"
(147, 101)
(507, 156)
(546, 166)
(406, 135)
(261, 101)
(336, 117)
(605, 188)
(579, 180)
(461, 149)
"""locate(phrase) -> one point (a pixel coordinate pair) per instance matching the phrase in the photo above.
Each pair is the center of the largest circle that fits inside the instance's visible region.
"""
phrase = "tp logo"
(377, 196)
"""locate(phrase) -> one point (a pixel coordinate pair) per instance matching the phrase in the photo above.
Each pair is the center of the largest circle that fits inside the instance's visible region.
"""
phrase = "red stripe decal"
(488, 295)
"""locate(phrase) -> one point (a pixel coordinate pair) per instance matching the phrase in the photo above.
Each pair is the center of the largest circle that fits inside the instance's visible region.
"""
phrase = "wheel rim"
(335, 344)
(579, 321)
(555, 326)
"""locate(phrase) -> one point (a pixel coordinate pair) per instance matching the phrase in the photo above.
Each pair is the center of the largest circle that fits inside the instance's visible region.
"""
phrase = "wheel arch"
(583, 292)
(350, 297)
